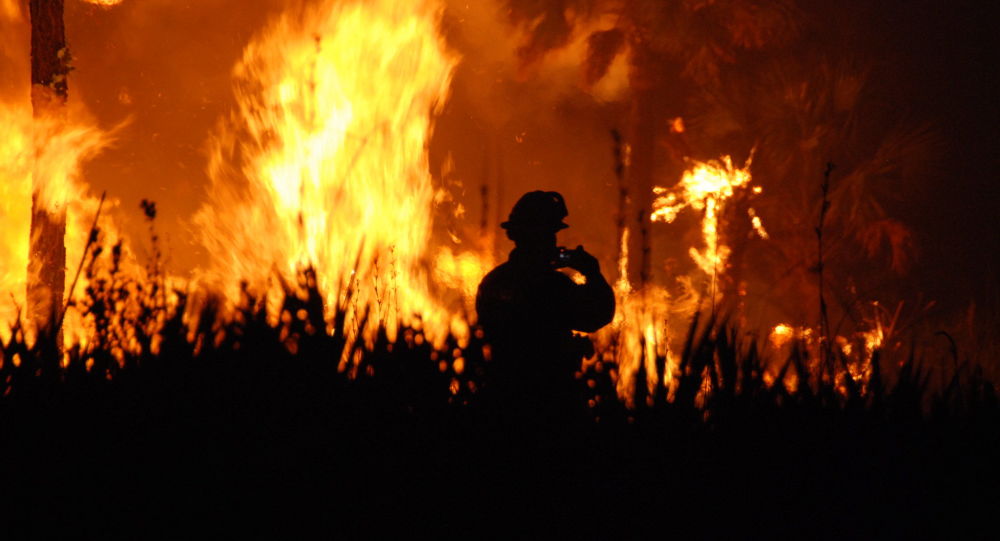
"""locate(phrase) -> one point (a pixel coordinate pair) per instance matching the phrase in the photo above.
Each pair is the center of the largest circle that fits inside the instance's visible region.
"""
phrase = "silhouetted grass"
(156, 423)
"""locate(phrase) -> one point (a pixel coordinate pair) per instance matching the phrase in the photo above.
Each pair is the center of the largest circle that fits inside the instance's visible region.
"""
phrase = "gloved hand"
(582, 261)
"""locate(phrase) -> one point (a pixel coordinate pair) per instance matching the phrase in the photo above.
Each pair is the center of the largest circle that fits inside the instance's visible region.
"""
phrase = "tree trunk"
(641, 174)
(47, 256)
(653, 96)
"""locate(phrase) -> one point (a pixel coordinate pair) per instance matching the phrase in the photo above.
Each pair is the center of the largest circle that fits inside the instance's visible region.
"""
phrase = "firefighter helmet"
(538, 210)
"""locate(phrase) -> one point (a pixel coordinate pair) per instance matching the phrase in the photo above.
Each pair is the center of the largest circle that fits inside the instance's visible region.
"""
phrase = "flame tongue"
(705, 186)
(52, 147)
(324, 160)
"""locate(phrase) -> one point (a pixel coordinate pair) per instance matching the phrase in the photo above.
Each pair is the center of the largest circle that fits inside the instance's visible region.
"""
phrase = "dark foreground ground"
(225, 452)
(246, 428)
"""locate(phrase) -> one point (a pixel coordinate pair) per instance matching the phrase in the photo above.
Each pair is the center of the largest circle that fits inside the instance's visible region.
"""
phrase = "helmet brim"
(547, 227)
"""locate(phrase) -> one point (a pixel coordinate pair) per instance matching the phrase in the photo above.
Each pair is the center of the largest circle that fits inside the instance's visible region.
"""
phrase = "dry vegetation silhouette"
(158, 423)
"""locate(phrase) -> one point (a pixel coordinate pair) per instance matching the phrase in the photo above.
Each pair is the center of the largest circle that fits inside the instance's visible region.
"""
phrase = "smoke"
(517, 123)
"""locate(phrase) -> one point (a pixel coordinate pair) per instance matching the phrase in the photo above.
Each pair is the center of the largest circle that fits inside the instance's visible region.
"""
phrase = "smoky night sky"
(160, 71)
(941, 56)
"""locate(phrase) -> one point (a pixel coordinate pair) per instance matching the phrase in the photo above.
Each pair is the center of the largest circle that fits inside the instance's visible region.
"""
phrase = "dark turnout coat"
(529, 312)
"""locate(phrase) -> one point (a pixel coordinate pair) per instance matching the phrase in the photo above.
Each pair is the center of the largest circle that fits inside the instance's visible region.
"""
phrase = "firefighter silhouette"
(529, 309)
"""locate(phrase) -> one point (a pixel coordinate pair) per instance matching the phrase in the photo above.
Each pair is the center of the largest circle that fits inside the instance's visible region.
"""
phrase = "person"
(528, 309)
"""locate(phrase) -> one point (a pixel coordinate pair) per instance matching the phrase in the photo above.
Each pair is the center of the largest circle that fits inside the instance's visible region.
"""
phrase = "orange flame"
(856, 361)
(639, 336)
(53, 149)
(706, 187)
(324, 162)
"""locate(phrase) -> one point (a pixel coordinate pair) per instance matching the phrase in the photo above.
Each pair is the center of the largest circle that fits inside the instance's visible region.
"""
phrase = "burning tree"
(49, 68)
(46, 212)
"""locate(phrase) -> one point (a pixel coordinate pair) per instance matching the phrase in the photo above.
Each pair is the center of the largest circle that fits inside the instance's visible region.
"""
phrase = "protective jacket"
(529, 311)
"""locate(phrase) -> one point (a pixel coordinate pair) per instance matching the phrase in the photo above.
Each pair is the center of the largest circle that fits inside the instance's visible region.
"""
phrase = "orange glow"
(10, 10)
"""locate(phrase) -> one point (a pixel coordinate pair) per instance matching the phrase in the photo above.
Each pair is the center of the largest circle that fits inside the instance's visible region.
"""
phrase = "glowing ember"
(758, 226)
(325, 162)
(873, 339)
(781, 335)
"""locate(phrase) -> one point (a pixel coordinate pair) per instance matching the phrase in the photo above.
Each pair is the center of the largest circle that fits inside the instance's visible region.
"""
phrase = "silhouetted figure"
(529, 310)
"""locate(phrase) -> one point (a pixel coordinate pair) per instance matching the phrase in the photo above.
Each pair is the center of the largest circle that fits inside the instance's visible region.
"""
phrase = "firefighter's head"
(536, 218)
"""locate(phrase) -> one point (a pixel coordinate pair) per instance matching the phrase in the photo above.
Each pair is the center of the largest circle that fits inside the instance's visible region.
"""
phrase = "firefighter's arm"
(594, 301)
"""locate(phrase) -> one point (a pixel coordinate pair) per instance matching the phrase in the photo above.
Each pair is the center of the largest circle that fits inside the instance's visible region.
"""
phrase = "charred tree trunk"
(47, 257)
(641, 173)
(653, 96)
(621, 216)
